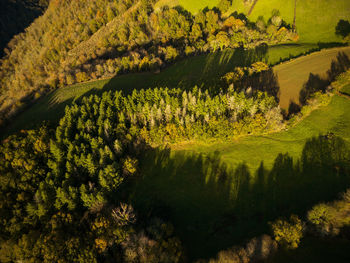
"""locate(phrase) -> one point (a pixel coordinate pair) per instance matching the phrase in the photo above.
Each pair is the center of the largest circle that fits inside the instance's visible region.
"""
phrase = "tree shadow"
(203, 71)
(317, 83)
(213, 206)
(265, 81)
(293, 108)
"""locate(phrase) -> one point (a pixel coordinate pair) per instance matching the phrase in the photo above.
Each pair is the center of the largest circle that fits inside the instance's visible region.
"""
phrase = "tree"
(212, 22)
(288, 233)
(343, 28)
(224, 5)
(196, 32)
(222, 39)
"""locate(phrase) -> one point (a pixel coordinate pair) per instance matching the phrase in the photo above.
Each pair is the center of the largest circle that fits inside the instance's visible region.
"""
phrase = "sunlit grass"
(254, 149)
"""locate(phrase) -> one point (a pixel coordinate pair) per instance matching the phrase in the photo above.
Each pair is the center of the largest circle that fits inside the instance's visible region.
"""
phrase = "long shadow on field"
(203, 71)
(317, 83)
(214, 207)
(265, 81)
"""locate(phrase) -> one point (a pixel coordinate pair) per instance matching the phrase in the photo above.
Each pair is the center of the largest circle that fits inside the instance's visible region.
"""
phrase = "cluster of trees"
(76, 41)
(175, 33)
(258, 249)
(257, 77)
(159, 116)
(35, 59)
(343, 30)
(56, 185)
(61, 201)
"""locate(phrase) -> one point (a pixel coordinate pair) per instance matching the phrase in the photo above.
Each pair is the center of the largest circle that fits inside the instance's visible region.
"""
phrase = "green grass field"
(203, 70)
(214, 192)
(315, 19)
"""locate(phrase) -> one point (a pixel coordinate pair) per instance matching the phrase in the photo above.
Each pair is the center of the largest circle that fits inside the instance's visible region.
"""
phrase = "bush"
(288, 233)
(320, 217)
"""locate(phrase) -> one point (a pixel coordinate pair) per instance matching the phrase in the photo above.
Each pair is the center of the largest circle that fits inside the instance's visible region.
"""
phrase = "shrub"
(320, 217)
(288, 233)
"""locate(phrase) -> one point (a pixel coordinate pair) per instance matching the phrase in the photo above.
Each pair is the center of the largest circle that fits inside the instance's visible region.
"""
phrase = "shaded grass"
(203, 70)
(222, 194)
(316, 250)
(346, 89)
